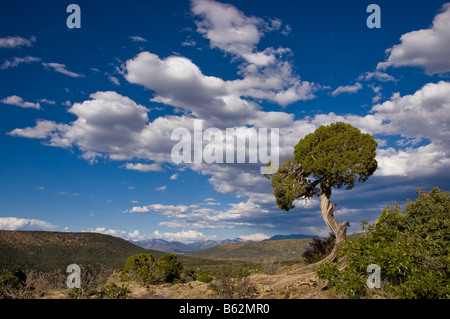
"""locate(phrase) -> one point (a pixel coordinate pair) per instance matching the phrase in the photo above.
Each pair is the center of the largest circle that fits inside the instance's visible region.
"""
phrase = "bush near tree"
(318, 249)
(411, 246)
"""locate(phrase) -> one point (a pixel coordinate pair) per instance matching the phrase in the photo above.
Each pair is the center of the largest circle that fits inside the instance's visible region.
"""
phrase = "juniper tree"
(334, 156)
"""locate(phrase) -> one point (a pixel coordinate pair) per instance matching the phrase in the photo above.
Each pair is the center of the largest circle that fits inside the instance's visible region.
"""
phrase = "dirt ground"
(285, 285)
(280, 286)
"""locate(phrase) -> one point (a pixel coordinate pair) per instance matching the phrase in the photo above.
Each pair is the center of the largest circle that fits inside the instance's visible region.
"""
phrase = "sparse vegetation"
(233, 282)
(11, 287)
(411, 247)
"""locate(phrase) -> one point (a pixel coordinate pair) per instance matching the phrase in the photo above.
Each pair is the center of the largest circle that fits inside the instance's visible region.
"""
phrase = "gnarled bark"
(340, 231)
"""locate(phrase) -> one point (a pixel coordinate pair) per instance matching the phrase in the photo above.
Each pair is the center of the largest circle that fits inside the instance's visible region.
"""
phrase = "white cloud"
(174, 177)
(16, 61)
(144, 167)
(426, 48)
(185, 236)
(116, 233)
(189, 42)
(226, 27)
(114, 80)
(14, 223)
(376, 75)
(424, 114)
(42, 130)
(266, 74)
(421, 161)
(255, 237)
(113, 126)
(109, 123)
(61, 68)
(16, 42)
(138, 39)
(161, 188)
(47, 101)
(69, 194)
(197, 217)
(349, 89)
(18, 101)
(137, 209)
(178, 82)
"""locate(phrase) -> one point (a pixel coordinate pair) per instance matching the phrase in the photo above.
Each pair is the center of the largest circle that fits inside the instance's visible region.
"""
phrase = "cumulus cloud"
(14, 223)
(115, 127)
(116, 233)
(226, 27)
(177, 81)
(184, 236)
(61, 68)
(18, 101)
(202, 216)
(426, 48)
(108, 123)
(255, 237)
(424, 114)
(266, 74)
(16, 42)
(420, 117)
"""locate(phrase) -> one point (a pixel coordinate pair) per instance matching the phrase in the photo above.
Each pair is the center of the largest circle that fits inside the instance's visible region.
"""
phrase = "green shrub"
(318, 249)
(148, 271)
(114, 291)
(168, 268)
(78, 293)
(203, 277)
(11, 287)
(411, 247)
(140, 268)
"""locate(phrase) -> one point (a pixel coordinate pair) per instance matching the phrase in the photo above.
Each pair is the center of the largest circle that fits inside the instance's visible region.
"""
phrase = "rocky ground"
(292, 285)
(280, 286)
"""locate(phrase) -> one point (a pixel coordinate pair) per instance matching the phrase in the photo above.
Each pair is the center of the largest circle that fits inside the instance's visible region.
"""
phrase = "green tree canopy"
(334, 156)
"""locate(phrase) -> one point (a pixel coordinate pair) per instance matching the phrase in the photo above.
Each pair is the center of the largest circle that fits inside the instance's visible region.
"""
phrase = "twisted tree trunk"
(340, 231)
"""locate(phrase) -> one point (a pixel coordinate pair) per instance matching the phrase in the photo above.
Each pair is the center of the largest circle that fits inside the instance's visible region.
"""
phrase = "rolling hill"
(278, 250)
(46, 251)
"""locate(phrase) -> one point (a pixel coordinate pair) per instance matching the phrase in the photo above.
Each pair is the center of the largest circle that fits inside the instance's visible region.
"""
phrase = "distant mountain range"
(178, 247)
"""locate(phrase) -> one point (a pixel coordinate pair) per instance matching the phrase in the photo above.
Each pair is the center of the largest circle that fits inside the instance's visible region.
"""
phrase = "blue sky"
(86, 114)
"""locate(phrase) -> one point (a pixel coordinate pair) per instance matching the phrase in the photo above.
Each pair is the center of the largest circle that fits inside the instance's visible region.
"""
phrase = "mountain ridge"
(181, 248)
